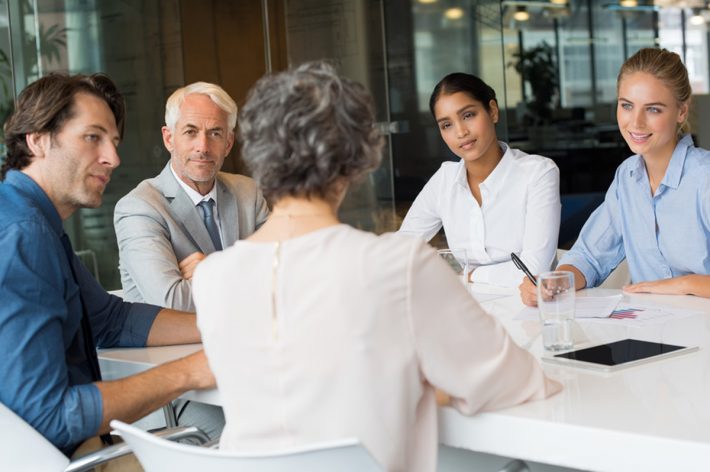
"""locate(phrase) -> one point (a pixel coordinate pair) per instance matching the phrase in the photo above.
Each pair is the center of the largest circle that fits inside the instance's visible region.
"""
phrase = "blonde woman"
(656, 214)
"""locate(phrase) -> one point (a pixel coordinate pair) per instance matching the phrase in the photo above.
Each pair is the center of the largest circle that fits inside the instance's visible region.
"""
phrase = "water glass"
(555, 298)
(457, 260)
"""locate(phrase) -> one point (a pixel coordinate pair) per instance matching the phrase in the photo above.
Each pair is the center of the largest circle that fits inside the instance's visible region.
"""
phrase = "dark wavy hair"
(307, 129)
(46, 104)
(467, 83)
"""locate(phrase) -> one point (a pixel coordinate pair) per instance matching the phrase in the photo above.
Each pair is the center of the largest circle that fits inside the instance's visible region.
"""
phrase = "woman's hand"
(693, 284)
(528, 292)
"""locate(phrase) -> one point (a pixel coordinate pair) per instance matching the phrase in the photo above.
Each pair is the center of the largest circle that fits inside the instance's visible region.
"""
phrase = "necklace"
(302, 215)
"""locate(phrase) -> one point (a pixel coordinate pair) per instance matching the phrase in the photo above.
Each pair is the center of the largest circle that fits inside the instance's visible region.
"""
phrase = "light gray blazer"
(157, 225)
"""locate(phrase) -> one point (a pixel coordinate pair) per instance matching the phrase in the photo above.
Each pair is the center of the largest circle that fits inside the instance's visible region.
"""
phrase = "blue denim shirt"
(661, 236)
(40, 317)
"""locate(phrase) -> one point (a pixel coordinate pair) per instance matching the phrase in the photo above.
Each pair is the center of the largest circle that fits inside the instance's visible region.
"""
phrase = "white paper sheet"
(584, 307)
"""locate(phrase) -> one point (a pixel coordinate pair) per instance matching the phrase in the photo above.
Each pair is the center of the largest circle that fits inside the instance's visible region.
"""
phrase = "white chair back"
(23, 448)
(159, 455)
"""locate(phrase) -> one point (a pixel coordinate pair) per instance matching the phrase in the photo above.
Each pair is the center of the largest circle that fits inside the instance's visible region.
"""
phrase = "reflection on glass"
(348, 33)
(136, 43)
(6, 84)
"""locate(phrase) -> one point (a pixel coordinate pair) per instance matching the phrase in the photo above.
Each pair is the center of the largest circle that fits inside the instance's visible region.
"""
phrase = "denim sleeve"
(34, 329)
(113, 321)
(599, 247)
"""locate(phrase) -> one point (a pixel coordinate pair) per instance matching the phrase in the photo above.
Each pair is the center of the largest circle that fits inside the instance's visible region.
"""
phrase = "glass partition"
(350, 34)
(7, 86)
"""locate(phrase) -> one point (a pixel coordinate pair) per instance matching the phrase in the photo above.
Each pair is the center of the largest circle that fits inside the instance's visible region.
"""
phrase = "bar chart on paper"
(625, 313)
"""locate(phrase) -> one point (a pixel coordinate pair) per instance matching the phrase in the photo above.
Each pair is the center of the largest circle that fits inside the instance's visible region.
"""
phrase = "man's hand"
(196, 364)
(528, 292)
(187, 265)
(131, 398)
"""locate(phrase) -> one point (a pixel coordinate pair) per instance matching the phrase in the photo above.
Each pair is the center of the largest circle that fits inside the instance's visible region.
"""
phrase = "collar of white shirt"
(192, 193)
(493, 182)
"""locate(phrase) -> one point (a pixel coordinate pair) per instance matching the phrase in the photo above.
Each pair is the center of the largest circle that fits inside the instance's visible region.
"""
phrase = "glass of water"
(457, 260)
(555, 298)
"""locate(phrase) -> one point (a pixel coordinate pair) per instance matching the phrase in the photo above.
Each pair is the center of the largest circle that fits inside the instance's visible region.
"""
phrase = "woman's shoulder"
(386, 242)
(698, 159)
(448, 170)
(531, 162)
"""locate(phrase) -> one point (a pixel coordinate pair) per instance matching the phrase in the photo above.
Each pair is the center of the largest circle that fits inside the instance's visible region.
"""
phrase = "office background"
(553, 64)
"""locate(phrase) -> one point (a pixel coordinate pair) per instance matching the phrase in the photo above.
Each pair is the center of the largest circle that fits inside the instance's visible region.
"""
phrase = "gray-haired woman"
(318, 331)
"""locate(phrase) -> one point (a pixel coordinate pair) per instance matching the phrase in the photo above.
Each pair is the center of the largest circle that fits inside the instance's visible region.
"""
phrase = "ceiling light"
(427, 1)
(559, 2)
(454, 13)
(521, 14)
(628, 3)
(696, 20)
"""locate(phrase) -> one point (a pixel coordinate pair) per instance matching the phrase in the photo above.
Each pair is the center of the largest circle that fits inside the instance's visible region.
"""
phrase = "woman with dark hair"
(656, 213)
(317, 331)
(496, 199)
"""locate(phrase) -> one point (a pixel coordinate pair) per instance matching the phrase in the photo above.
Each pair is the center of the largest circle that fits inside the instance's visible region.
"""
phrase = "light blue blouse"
(661, 236)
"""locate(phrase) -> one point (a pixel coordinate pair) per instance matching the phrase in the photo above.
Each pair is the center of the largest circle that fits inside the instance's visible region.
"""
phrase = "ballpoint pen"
(520, 265)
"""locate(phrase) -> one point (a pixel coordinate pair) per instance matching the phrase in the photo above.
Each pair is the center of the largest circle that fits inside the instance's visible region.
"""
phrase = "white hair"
(216, 94)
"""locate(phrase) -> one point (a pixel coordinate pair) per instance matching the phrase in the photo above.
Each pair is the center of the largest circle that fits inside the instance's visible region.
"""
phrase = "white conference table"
(652, 417)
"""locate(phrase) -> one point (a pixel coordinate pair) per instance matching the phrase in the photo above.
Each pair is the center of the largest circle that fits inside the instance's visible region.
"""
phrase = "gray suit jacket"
(157, 225)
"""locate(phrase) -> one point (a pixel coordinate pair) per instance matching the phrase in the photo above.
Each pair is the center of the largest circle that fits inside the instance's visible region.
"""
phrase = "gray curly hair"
(306, 130)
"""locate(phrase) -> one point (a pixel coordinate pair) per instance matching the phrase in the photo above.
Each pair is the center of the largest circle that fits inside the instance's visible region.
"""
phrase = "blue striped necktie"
(207, 207)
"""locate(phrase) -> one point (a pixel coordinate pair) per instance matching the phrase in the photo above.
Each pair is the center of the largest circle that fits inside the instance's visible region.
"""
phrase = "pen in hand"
(520, 265)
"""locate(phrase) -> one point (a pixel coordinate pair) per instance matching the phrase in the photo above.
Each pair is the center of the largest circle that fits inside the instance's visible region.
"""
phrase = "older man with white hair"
(168, 224)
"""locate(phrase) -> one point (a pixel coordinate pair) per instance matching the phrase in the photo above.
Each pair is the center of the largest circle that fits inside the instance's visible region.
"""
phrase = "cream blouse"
(341, 333)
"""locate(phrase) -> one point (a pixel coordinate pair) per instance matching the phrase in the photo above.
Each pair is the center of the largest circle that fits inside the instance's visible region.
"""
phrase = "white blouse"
(520, 213)
(341, 333)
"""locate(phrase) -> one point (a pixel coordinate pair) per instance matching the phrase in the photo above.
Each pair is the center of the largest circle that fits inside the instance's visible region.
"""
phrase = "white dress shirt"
(197, 198)
(520, 212)
(341, 333)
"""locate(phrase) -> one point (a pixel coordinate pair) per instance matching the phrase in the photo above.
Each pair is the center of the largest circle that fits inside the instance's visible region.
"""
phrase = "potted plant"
(536, 67)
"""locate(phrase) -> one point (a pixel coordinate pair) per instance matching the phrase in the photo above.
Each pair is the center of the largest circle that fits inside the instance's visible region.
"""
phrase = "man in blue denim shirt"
(61, 149)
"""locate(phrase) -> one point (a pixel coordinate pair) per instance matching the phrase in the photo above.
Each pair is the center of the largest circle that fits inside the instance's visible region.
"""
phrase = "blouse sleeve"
(461, 349)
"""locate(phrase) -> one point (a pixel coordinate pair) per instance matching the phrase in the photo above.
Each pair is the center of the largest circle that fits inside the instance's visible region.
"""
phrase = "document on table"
(485, 293)
(639, 315)
(584, 307)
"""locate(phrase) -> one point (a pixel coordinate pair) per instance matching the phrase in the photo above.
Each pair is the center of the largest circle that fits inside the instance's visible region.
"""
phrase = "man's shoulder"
(18, 212)
(236, 180)
(147, 191)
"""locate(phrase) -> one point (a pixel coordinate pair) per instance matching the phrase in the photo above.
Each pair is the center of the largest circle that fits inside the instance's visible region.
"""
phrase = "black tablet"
(617, 355)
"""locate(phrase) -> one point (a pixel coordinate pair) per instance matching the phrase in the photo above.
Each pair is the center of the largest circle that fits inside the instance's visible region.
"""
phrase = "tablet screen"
(620, 352)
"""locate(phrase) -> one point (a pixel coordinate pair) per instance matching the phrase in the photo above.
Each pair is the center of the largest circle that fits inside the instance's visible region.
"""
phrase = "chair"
(159, 455)
(616, 279)
(23, 448)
